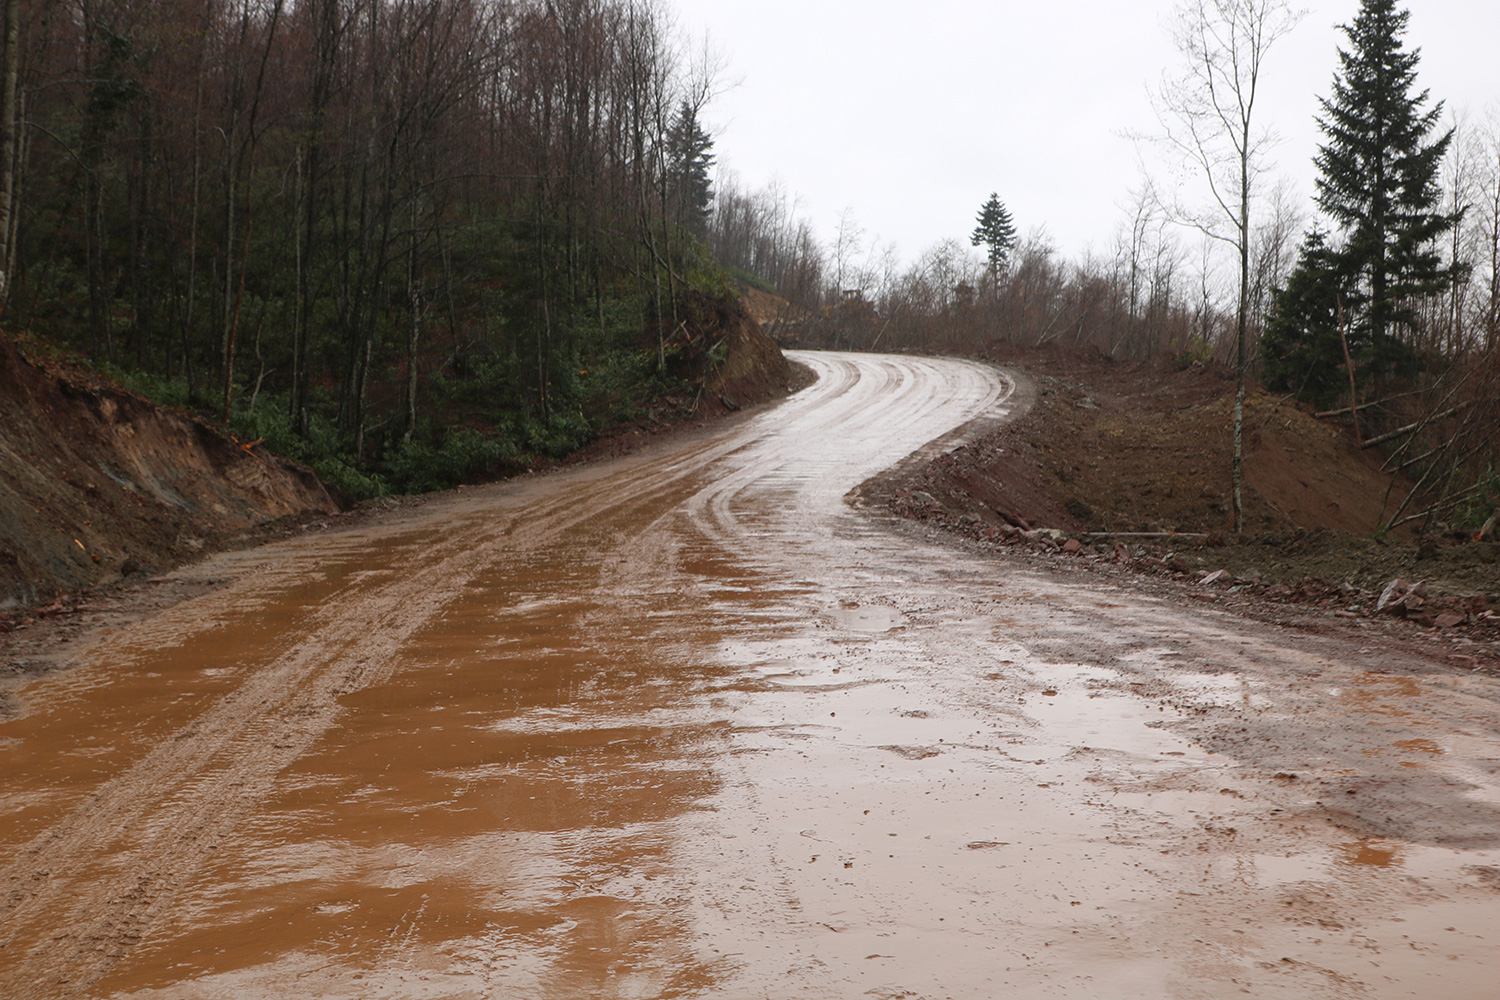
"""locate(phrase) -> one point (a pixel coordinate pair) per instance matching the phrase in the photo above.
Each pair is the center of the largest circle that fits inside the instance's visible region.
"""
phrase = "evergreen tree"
(1301, 350)
(690, 158)
(997, 232)
(1379, 175)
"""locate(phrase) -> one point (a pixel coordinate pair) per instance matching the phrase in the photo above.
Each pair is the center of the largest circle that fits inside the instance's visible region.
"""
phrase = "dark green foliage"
(1379, 173)
(1302, 350)
(997, 232)
(430, 256)
(1483, 504)
(689, 160)
(460, 454)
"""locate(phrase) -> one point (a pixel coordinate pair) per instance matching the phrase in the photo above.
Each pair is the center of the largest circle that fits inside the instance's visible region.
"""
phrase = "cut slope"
(96, 484)
(1130, 448)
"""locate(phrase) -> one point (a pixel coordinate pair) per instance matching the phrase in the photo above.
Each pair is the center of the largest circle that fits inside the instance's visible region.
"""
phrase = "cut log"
(1143, 534)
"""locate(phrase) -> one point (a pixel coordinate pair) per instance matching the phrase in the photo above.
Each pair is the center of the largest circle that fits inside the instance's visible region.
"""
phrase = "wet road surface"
(686, 724)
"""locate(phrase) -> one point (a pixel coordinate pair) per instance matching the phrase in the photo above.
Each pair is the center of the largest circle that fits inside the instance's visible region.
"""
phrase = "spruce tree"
(997, 232)
(1379, 176)
(1302, 348)
(690, 158)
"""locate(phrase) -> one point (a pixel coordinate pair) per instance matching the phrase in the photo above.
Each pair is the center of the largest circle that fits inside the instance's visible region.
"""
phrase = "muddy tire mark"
(67, 917)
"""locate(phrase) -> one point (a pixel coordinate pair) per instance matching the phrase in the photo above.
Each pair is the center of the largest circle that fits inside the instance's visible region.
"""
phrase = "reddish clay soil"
(97, 484)
(1126, 465)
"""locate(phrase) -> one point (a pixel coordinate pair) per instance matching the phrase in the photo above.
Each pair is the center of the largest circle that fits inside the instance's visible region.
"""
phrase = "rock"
(923, 499)
(1391, 596)
(1213, 578)
(1072, 546)
(1448, 620)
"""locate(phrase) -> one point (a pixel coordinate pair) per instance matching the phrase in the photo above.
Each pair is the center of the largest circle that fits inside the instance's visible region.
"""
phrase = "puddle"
(1370, 854)
(1072, 715)
(1381, 694)
(867, 618)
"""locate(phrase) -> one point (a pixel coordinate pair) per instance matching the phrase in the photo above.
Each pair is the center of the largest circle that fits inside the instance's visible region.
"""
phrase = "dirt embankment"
(97, 484)
(735, 366)
(1129, 464)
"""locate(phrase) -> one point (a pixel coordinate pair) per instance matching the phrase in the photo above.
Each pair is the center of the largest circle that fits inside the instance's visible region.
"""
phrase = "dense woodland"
(404, 239)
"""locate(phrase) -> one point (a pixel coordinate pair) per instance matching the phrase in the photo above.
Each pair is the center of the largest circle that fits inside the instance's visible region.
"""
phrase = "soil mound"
(97, 484)
(754, 369)
(1140, 453)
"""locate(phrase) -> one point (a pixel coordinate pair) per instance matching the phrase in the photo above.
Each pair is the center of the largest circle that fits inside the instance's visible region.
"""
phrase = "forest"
(405, 240)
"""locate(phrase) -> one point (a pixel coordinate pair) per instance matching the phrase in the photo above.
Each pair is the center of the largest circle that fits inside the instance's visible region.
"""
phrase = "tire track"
(76, 901)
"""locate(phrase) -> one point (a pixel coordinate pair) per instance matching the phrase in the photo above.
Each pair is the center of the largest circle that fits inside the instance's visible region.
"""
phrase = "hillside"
(1134, 459)
(98, 484)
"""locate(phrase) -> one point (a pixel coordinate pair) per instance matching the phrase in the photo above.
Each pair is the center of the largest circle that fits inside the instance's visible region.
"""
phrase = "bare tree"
(10, 62)
(1208, 114)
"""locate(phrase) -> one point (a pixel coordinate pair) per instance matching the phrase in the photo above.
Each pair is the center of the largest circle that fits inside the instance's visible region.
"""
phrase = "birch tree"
(1208, 113)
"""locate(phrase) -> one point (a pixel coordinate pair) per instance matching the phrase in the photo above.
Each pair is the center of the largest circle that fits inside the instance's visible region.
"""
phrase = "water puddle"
(867, 618)
(1370, 854)
(1076, 712)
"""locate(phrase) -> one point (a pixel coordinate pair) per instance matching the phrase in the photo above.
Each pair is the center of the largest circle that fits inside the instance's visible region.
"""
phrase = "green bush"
(463, 455)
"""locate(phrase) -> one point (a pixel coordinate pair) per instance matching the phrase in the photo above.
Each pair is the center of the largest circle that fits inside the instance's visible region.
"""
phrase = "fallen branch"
(1143, 534)
(1448, 504)
(1325, 414)
(1409, 428)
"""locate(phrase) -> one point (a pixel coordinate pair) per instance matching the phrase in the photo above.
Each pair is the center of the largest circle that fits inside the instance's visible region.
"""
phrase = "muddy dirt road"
(686, 725)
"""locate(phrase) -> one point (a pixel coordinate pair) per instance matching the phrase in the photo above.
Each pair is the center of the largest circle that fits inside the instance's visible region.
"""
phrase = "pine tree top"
(1379, 168)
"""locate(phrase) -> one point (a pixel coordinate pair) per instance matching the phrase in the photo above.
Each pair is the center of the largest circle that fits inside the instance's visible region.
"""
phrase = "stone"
(1391, 596)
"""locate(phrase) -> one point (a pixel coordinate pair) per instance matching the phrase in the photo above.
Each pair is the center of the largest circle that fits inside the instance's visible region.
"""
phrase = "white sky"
(910, 114)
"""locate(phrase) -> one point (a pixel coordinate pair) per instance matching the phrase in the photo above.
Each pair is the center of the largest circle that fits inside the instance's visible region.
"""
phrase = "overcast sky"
(910, 114)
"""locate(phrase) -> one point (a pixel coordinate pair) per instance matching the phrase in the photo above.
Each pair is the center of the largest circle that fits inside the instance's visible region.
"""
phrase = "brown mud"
(687, 724)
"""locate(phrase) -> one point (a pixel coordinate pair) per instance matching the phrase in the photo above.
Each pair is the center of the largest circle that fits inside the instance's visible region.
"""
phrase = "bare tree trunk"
(413, 329)
(1349, 366)
(1241, 324)
(10, 56)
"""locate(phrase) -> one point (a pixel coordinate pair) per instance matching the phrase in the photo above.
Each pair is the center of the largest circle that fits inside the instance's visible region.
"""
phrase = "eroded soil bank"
(1139, 454)
(97, 484)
